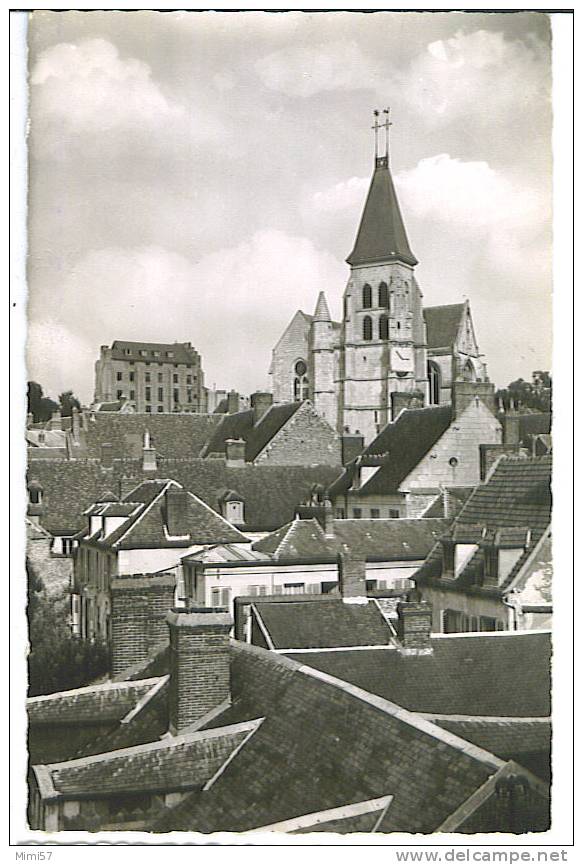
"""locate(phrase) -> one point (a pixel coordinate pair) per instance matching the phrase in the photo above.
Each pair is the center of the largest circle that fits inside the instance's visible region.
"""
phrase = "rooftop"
(256, 436)
(443, 323)
(397, 449)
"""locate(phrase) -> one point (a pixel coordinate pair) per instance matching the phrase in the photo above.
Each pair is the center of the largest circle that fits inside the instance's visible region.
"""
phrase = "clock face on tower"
(402, 358)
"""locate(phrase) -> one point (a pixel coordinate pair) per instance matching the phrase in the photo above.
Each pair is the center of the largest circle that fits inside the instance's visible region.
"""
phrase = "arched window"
(469, 373)
(366, 296)
(383, 295)
(367, 328)
(384, 327)
(434, 376)
(301, 383)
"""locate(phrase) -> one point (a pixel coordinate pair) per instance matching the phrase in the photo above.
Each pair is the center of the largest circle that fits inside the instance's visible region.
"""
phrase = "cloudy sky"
(200, 176)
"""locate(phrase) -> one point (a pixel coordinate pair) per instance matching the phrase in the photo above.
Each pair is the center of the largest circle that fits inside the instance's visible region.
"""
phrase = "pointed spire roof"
(381, 234)
(322, 312)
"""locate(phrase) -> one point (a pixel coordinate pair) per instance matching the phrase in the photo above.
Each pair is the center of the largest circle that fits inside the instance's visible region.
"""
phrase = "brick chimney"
(352, 579)
(401, 399)
(56, 421)
(177, 520)
(235, 452)
(233, 402)
(352, 446)
(261, 402)
(200, 674)
(414, 627)
(139, 606)
(463, 392)
(106, 455)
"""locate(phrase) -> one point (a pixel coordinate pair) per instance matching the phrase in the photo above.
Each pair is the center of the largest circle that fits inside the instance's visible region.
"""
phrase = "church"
(389, 351)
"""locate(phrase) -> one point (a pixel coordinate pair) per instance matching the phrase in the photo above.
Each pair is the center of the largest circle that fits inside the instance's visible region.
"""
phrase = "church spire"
(381, 234)
(322, 313)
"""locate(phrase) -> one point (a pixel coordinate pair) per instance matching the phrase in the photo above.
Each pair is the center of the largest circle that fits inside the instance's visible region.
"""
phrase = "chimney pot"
(200, 675)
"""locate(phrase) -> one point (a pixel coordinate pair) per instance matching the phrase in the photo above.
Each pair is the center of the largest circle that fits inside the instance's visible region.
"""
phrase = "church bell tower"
(383, 334)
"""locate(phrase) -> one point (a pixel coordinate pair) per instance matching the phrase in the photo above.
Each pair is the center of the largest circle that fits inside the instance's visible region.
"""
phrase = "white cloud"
(478, 74)
(232, 305)
(85, 95)
(303, 70)
(347, 195)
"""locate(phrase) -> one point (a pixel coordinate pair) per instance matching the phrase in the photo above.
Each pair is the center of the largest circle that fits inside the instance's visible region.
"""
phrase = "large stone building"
(151, 377)
(386, 342)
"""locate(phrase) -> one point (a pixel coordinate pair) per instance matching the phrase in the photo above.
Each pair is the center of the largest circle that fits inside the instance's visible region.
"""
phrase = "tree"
(68, 402)
(528, 396)
(58, 660)
(41, 407)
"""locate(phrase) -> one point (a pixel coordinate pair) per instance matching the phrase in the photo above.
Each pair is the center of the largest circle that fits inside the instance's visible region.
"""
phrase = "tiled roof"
(270, 493)
(50, 438)
(381, 234)
(443, 324)
(181, 352)
(517, 495)
(401, 445)
(171, 435)
(323, 745)
(93, 703)
(483, 674)
(240, 426)
(147, 526)
(373, 540)
(176, 763)
(327, 624)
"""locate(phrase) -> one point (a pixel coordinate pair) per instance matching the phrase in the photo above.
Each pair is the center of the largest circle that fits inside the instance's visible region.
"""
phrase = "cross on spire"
(377, 127)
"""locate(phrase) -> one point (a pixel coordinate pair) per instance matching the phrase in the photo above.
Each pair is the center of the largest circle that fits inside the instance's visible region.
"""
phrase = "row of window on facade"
(382, 295)
(145, 353)
(148, 394)
(221, 597)
(367, 513)
(456, 622)
(383, 330)
(147, 377)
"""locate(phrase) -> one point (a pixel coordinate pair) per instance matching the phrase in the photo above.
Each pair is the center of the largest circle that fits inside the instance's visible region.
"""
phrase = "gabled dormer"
(502, 549)
(232, 507)
(458, 548)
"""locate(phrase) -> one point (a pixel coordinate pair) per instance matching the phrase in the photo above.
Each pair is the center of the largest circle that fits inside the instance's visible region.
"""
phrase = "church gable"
(466, 341)
(305, 439)
(292, 347)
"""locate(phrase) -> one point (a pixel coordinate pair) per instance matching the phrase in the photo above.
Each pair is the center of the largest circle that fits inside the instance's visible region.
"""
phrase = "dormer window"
(235, 512)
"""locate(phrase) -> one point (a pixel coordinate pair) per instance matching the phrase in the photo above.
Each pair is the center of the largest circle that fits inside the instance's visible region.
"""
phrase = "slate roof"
(182, 352)
(508, 739)
(381, 234)
(93, 703)
(324, 744)
(240, 426)
(517, 495)
(498, 674)
(401, 445)
(443, 324)
(312, 743)
(326, 624)
(176, 763)
(171, 435)
(147, 526)
(271, 493)
(373, 540)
